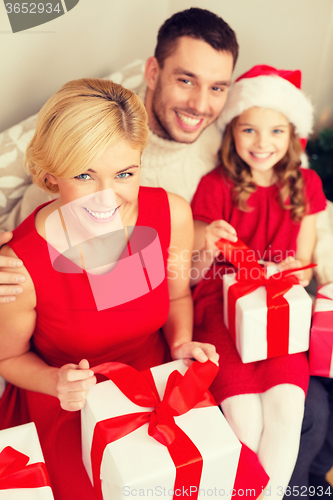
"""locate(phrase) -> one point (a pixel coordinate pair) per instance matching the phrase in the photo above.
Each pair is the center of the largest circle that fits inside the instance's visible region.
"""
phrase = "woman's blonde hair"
(78, 123)
(290, 180)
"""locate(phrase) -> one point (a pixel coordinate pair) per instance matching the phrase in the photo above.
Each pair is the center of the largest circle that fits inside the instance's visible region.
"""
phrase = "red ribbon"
(251, 276)
(182, 393)
(15, 473)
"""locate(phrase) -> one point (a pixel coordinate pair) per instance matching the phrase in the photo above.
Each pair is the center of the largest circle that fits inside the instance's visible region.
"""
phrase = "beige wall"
(93, 39)
(98, 36)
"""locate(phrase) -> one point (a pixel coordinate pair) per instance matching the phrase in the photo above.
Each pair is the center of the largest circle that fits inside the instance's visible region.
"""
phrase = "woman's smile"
(102, 216)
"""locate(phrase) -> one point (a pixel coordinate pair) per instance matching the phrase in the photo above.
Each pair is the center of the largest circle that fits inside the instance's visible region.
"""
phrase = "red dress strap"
(155, 211)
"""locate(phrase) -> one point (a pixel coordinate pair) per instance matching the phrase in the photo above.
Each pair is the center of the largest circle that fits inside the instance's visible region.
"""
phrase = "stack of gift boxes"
(268, 314)
(158, 432)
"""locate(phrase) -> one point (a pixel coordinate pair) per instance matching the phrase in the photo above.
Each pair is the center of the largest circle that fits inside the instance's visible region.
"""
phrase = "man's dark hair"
(196, 23)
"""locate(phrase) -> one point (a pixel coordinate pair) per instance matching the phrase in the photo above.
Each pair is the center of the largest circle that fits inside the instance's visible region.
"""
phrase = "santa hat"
(267, 87)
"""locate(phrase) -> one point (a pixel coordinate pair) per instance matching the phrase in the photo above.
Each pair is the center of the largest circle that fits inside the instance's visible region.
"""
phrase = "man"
(186, 87)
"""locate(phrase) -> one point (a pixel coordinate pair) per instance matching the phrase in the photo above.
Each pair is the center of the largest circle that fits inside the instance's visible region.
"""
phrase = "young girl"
(262, 196)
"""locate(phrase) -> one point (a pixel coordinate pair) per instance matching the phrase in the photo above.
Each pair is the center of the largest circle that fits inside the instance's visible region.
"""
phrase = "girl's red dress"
(69, 328)
(268, 230)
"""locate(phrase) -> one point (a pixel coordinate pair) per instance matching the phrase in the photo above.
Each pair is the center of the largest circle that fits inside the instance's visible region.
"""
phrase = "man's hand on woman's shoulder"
(9, 278)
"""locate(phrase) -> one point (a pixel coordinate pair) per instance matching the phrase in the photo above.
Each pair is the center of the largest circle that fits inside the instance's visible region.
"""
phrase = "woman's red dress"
(69, 328)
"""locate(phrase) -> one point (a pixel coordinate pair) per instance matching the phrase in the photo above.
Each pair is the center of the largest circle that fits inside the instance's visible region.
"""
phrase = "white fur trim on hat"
(271, 92)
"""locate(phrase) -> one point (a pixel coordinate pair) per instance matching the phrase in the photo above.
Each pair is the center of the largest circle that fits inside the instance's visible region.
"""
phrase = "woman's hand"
(215, 231)
(74, 382)
(291, 263)
(195, 350)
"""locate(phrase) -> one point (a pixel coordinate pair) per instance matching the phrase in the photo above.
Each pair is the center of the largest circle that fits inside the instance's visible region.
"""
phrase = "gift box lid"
(24, 439)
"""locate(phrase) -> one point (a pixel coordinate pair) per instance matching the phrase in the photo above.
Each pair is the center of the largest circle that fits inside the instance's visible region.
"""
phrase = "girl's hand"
(74, 382)
(291, 263)
(215, 231)
(195, 350)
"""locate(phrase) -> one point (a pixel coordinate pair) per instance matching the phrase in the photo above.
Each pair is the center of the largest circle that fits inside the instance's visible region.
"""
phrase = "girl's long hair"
(290, 180)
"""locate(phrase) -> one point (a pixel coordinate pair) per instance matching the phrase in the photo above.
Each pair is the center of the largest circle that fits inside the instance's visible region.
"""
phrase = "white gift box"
(24, 439)
(251, 320)
(137, 463)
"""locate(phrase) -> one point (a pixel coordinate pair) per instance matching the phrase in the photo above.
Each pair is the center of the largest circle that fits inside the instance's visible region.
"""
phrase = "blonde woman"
(87, 147)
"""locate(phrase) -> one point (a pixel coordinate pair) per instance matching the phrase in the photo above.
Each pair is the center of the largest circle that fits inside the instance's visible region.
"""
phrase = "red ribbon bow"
(15, 473)
(251, 276)
(182, 393)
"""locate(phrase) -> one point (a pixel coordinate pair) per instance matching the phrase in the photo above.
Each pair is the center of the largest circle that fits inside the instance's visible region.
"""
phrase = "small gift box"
(267, 316)
(23, 473)
(134, 444)
(321, 340)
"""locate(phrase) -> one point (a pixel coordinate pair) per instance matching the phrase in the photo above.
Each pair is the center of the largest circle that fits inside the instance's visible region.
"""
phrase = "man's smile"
(188, 122)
